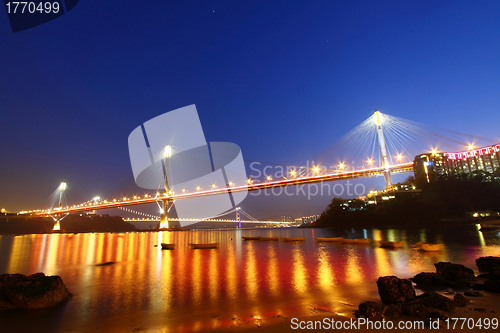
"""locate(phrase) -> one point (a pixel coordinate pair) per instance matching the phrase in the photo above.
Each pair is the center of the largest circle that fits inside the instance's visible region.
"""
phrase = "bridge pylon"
(164, 209)
(57, 223)
(164, 214)
(383, 149)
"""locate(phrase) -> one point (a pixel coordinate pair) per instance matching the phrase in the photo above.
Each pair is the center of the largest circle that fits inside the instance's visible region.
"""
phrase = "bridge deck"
(399, 168)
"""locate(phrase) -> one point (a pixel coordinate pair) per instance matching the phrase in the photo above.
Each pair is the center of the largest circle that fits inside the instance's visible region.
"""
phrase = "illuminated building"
(395, 191)
(306, 219)
(480, 159)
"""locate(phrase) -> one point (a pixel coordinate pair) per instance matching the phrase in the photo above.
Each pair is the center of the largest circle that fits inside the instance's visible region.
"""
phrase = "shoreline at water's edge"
(490, 302)
(420, 224)
(73, 223)
(482, 309)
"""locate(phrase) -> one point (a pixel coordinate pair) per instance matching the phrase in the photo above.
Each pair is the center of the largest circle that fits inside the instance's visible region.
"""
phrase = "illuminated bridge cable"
(404, 140)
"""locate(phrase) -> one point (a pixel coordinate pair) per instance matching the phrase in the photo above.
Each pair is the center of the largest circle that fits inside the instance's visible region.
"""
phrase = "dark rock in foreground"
(454, 272)
(488, 264)
(493, 283)
(395, 290)
(414, 309)
(31, 292)
(430, 280)
(435, 300)
(369, 309)
(460, 300)
(393, 310)
(399, 298)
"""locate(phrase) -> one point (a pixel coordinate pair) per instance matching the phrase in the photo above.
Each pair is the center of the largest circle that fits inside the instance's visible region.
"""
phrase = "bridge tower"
(57, 218)
(165, 202)
(238, 217)
(383, 149)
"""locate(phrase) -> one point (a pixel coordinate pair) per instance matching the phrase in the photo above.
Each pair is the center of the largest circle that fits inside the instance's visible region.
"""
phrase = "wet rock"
(460, 300)
(454, 272)
(437, 314)
(430, 280)
(435, 300)
(6, 305)
(369, 309)
(488, 264)
(33, 292)
(473, 294)
(459, 285)
(493, 283)
(478, 286)
(393, 310)
(415, 310)
(6, 279)
(395, 290)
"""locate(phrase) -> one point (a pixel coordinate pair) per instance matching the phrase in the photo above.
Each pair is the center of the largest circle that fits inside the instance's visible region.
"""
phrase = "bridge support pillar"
(57, 223)
(164, 214)
(387, 178)
(383, 149)
(57, 226)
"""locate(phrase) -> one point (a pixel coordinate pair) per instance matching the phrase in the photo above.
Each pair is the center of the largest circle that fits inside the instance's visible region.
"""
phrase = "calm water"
(195, 290)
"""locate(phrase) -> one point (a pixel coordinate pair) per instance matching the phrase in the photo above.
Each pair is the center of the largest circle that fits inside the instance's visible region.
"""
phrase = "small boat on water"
(331, 239)
(270, 239)
(356, 241)
(204, 246)
(251, 238)
(391, 245)
(166, 246)
(293, 239)
(429, 247)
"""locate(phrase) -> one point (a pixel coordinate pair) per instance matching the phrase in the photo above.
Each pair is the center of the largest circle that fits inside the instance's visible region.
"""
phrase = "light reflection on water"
(196, 290)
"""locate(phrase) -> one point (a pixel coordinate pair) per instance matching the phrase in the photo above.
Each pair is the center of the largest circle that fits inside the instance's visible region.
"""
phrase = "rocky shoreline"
(37, 291)
(398, 296)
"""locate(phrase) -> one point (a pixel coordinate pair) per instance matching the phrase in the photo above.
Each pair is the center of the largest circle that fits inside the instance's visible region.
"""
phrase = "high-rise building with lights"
(480, 159)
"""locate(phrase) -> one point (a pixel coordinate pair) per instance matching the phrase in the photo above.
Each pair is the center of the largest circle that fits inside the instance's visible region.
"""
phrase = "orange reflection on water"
(299, 272)
(325, 273)
(167, 280)
(273, 280)
(383, 265)
(251, 279)
(123, 279)
(231, 275)
(196, 271)
(213, 276)
(353, 272)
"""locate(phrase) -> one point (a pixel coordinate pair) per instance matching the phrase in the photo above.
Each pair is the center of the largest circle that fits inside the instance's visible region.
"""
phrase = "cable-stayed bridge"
(380, 146)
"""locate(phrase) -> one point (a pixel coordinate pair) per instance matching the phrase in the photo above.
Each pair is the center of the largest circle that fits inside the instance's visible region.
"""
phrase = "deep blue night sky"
(283, 80)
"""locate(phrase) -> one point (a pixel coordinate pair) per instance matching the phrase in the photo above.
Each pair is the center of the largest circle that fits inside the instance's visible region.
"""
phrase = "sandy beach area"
(489, 305)
(479, 313)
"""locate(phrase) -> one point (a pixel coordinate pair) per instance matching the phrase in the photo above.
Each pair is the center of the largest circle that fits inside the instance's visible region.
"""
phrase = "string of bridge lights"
(236, 209)
(404, 139)
(138, 213)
